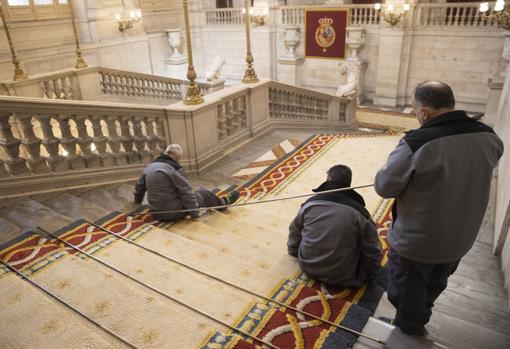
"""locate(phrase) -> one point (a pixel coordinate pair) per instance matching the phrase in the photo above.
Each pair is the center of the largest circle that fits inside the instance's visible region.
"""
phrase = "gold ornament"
(325, 34)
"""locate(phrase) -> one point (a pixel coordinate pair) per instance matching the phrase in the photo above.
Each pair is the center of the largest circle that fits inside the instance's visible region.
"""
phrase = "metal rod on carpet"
(60, 300)
(161, 293)
(238, 287)
(264, 201)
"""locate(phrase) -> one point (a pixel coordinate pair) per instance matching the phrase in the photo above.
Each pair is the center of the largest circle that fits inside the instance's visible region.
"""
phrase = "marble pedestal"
(177, 67)
(290, 70)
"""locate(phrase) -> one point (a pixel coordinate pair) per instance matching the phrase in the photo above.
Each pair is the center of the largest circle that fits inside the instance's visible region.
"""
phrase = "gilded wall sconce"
(389, 15)
(257, 19)
(499, 14)
(128, 23)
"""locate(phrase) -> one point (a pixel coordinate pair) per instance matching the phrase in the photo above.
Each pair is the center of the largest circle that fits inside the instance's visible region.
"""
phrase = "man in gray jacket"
(440, 176)
(168, 189)
(333, 236)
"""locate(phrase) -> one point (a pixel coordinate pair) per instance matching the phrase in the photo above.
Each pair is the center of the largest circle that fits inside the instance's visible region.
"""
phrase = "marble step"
(197, 290)
(458, 333)
(393, 338)
(265, 219)
(28, 213)
(52, 326)
(222, 240)
(124, 191)
(8, 230)
(76, 207)
(210, 260)
(109, 200)
(246, 229)
(140, 315)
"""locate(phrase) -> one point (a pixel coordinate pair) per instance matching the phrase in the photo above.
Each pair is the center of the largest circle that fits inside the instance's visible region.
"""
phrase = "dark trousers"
(412, 289)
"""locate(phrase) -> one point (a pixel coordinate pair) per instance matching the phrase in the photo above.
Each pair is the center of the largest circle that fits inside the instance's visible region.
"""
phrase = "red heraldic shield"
(325, 32)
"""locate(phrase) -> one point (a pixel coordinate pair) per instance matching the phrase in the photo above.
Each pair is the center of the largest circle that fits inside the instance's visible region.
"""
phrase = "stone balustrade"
(297, 104)
(452, 15)
(465, 15)
(39, 136)
(358, 14)
(104, 84)
(224, 16)
(65, 143)
(127, 84)
(231, 117)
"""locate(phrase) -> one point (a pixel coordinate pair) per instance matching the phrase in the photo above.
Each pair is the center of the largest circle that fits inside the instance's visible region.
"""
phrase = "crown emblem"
(325, 22)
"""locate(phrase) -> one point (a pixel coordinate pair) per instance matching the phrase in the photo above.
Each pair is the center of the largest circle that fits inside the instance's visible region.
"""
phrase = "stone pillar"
(391, 44)
(290, 65)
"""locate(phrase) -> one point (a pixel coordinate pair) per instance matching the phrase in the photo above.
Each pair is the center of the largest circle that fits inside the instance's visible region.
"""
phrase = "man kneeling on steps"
(333, 236)
(168, 188)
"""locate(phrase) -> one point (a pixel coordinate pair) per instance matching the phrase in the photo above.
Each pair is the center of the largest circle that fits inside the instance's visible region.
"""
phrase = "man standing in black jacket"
(440, 176)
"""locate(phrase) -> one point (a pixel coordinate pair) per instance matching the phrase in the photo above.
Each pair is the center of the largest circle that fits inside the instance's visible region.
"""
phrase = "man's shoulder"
(417, 138)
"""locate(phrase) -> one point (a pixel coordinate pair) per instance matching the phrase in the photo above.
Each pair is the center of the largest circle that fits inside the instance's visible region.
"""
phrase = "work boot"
(230, 198)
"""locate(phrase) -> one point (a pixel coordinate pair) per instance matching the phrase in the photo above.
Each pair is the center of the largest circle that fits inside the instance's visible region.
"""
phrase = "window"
(32, 10)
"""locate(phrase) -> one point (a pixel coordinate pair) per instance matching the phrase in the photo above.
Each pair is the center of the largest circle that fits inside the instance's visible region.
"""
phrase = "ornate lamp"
(128, 22)
(500, 15)
(389, 15)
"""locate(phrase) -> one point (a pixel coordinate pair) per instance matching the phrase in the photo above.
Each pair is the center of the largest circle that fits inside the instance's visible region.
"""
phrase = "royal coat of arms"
(325, 34)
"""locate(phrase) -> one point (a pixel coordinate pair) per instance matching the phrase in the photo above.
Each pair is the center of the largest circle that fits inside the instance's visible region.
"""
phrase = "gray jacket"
(440, 175)
(335, 243)
(167, 188)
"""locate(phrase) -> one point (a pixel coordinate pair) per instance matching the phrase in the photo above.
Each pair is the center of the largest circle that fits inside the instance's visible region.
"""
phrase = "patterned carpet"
(35, 255)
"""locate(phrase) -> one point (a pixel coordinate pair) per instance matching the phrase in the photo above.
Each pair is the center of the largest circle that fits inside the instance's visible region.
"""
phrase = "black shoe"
(231, 197)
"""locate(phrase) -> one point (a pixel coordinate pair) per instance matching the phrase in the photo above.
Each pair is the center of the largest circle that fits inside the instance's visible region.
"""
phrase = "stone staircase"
(245, 247)
(239, 246)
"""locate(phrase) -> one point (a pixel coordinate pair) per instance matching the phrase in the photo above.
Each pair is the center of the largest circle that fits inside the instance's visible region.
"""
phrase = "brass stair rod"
(161, 293)
(61, 301)
(239, 287)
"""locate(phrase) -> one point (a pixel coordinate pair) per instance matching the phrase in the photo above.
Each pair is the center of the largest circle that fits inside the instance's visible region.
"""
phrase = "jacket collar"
(168, 160)
(348, 197)
(452, 116)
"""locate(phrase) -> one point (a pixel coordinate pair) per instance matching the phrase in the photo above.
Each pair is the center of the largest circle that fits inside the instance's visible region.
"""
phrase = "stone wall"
(502, 232)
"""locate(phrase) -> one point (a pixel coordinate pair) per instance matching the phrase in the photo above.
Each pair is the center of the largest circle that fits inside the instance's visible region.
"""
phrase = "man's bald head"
(431, 99)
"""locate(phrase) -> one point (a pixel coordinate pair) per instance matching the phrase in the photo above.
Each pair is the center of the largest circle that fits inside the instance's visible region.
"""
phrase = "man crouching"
(168, 188)
(333, 236)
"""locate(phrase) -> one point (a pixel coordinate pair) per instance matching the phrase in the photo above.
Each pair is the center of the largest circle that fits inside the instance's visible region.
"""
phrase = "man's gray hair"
(174, 149)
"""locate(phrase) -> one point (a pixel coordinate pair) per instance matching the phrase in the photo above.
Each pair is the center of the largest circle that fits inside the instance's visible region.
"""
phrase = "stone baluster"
(35, 162)
(3, 171)
(74, 160)
(51, 143)
(140, 139)
(127, 140)
(100, 141)
(152, 138)
(85, 142)
(221, 122)
(11, 146)
(160, 129)
(114, 141)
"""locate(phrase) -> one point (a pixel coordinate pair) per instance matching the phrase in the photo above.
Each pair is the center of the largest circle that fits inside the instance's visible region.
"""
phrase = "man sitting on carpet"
(333, 236)
(168, 189)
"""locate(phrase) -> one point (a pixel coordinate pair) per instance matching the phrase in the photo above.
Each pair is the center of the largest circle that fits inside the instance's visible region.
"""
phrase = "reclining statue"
(349, 79)
(214, 71)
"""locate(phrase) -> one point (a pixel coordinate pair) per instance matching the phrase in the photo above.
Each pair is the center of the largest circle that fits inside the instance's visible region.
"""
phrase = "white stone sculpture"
(174, 38)
(349, 79)
(355, 40)
(291, 40)
(213, 71)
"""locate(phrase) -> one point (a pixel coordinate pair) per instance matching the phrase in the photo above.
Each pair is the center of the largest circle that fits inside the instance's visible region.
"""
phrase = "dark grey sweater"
(335, 243)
